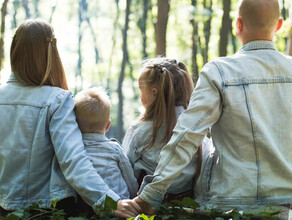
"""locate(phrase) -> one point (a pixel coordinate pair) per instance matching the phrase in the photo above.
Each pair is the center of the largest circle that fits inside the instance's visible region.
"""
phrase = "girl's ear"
(154, 91)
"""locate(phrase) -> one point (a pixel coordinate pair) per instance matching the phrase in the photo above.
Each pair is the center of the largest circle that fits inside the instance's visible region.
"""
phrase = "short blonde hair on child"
(92, 109)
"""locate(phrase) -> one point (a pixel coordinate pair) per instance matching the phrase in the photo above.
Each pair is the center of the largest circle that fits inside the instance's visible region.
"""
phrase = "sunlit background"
(89, 39)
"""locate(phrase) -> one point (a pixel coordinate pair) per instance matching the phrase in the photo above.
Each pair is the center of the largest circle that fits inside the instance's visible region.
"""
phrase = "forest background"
(103, 42)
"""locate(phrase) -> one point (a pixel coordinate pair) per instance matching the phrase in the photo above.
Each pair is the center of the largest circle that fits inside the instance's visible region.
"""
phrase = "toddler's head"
(92, 109)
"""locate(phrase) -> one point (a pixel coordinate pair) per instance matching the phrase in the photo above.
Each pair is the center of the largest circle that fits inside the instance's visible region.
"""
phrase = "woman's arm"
(69, 149)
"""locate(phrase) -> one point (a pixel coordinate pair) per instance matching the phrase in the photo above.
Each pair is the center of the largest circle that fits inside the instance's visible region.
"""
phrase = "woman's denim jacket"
(40, 144)
(245, 98)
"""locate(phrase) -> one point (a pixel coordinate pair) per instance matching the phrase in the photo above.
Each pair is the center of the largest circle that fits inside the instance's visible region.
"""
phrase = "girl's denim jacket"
(245, 99)
(40, 147)
(145, 159)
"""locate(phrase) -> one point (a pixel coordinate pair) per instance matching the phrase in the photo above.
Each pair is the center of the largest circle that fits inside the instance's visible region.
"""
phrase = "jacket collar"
(94, 137)
(258, 45)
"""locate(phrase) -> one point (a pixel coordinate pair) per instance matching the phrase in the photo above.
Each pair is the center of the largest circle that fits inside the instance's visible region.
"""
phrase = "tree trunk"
(53, 9)
(16, 6)
(289, 43)
(78, 74)
(36, 8)
(114, 40)
(224, 28)
(233, 37)
(142, 26)
(207, 31)
(3, 15)
(120, 122)
(26, 8)
(195, 69)
(161, 25)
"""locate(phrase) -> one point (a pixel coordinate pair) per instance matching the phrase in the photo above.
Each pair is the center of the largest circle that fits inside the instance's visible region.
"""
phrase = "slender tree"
(114, 41)
(16, 6)
(195, 69)
(233, 38)
(120, 122)
(224, 28)
(161, 26)
(53, 9)
(142, 23)
(289, 42)
(36, 8)
(78, 74)
(207, 30)
(3, 15)
(26, 8)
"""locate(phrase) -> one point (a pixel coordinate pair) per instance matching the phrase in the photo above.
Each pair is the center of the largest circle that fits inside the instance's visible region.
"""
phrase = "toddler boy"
(92, 108)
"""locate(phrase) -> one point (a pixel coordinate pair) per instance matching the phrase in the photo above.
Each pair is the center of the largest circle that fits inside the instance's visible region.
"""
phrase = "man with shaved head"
(245, 100)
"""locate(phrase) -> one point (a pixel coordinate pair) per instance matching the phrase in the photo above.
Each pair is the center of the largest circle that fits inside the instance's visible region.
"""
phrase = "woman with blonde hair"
(42, 157)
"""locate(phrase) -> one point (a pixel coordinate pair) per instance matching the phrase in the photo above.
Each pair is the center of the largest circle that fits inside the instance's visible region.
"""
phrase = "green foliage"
(35, 212)
(103, 212)
(175, 210)
(189, 209)
(142, 217)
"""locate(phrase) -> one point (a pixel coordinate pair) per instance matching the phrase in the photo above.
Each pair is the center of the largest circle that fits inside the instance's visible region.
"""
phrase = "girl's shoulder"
(138, 124)
(138, 130)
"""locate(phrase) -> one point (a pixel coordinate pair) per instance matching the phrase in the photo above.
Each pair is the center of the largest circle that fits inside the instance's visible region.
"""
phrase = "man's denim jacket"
(245, 99)
(40, 140)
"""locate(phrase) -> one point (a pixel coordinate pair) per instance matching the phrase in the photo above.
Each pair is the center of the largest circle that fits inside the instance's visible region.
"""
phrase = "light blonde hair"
(174, 88)
(34, 56)
(92, 109)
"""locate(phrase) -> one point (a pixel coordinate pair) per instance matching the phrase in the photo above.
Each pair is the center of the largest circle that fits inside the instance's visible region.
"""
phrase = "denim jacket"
(40, 140)
(111, 163)
(245, 99)
(136, 140)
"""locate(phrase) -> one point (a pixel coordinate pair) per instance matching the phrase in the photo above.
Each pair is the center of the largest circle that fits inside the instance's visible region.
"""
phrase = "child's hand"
(146, 207)
(127, 208)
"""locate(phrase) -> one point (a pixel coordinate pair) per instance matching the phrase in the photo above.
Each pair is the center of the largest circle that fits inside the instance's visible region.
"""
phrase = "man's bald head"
(259, 16)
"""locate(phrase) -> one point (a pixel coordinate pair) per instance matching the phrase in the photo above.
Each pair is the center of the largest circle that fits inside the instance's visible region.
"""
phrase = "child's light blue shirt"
(111, 163)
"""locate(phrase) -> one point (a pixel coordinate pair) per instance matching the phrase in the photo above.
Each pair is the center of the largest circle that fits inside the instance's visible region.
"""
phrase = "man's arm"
(203, 111)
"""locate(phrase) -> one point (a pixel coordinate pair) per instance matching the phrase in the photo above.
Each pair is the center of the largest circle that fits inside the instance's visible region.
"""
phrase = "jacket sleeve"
(128, 173)
(70, 153)
(203, 111)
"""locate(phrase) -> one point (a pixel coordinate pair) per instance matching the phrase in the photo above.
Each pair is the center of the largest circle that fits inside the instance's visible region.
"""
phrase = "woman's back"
(26, 149)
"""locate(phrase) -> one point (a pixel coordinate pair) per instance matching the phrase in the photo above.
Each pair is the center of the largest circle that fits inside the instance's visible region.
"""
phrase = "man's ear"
(279, 25)
(239, 25)
(108, 125)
